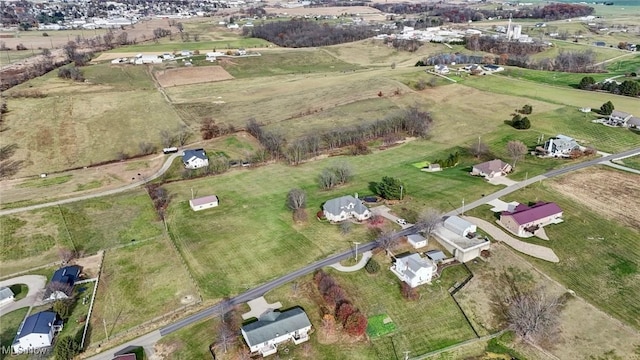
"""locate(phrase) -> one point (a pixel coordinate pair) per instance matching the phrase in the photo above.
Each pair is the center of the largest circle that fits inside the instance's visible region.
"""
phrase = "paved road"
(148, 340)
(365, 256)
(35, 283)
(127, 187)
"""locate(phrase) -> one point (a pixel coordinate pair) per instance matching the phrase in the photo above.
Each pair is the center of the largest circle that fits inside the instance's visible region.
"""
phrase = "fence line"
(93, 299)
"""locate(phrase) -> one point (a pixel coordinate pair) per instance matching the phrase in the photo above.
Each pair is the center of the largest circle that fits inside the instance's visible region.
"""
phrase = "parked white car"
(402, 221)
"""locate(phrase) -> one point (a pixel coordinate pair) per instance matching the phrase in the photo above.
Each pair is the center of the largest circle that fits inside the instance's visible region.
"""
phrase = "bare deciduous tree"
(167, 138)
(57, 289)
(182, 134)
(146, 148)
(534, 315)
(66, 254)
(327, 179)
(516, 150)
(387, 241)
(296, 199)
(428, 221)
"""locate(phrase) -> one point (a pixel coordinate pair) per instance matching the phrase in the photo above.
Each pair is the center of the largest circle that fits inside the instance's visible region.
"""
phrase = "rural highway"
(147, 341)
(127, 187)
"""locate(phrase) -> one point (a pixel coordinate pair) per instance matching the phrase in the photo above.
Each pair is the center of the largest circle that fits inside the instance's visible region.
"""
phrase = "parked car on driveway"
(402, 221)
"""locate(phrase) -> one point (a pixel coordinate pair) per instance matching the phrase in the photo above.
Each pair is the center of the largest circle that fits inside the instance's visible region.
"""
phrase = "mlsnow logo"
(7, 350)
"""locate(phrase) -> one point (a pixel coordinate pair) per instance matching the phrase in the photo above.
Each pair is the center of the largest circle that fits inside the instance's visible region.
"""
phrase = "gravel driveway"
(35, 283)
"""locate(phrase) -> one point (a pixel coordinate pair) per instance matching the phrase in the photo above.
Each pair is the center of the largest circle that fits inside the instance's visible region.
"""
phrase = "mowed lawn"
(9, 325)
(632, 162)
(79, 124)
(598, 257)
(30, 239)
(253, 226)
(138, 283)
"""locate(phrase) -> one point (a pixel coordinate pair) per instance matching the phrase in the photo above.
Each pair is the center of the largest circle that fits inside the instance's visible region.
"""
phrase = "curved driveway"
(35, 283)
(127, 187)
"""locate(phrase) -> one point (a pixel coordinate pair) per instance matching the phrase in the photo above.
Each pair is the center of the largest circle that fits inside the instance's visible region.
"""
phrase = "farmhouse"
(525, 220)
(491, 169)
(459, 237)
(204, 202)
(61, 284)
(345, 207)
(195, 159)
(633, 122)
(6, 296)
(36, 332)
(417, 241)
(414, 270)
(618, 118)
(560, 146)
(274, 328)
(441, 69)
(147, 59)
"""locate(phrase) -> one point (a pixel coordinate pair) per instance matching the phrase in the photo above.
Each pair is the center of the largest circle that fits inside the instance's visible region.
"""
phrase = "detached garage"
(203, 203)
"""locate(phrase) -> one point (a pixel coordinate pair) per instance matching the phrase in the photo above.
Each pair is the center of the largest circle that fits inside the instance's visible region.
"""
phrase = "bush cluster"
(353, 321)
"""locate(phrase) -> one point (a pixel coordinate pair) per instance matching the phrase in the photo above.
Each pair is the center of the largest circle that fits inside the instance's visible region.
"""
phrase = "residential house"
(344, 208)
(6, 296)
(205, 202)
(147, 59)
(441, 69)
(491, 169)
(195, 159)
(525, 220)
(560, 146)
(414, 269)
(459, 237)
(493, 68)
(62, 283)
(417, 241)
(274, 328)
(241, 51)
(633, 122)
(618, 118)
(37, 331)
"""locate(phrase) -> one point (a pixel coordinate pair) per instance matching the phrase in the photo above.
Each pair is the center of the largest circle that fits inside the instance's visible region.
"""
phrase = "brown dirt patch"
(90, 264)
(611, 193)
(191, 75)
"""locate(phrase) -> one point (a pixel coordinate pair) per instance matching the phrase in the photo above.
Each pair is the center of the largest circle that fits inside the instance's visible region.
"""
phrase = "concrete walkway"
(361, 263)
(35, 283)
(258, 307)
(621, 167)
(385, 212)
(537, 251)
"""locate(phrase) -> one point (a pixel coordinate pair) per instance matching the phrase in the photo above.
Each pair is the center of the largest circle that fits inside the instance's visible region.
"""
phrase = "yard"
(9, 325)
(632, 162)
(138, 283)
(598, 256)
(32, 238)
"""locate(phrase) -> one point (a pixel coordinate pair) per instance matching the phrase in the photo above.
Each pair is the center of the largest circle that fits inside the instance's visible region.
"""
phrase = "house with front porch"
(414, 269)
(274, 328)
(560, 146)
(345, 207)
(491, 169)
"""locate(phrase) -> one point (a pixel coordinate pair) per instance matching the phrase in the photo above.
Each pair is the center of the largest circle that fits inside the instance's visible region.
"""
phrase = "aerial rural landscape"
(322, 179)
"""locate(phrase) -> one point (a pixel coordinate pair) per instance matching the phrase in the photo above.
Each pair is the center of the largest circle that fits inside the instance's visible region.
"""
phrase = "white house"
(441, 69)
(37, 331)
(6, 296)
(417, 241)
(202, 203)
(459, 237)
(491, 169)
(525, 220)
(195, 159)
(273, 328)
(560, 146)
(233, 26)
(62, 282)
(345, 207)
(414, 270)
(147, 59)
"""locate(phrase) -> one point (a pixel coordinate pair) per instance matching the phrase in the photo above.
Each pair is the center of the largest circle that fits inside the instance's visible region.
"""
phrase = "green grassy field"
(9, 325)
(632, 162)
(138, 283)
(166, 45)
(598, 257)
(31, 238)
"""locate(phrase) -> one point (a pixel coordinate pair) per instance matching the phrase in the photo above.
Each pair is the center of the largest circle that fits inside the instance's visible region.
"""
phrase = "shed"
(202, 203)
(435, 255)
(459, 226)
(417, 241)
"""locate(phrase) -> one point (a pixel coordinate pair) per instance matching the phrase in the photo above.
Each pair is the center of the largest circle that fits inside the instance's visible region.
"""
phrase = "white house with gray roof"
(458, 236)
(6, 296)
(195, 159)
(414, 269)
(273, 328)
(417, 241)
(560, 146)
(344, 208)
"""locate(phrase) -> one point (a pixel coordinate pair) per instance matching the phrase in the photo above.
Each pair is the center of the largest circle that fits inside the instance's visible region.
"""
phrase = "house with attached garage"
(274, 328)
(414, 269)
(6, 296)
(62, 282)
(491, 169)
(459, 237)
(560, 146)
(345, 207)
(195, 159)
(205, 202)
(36, 332)
(525, 220)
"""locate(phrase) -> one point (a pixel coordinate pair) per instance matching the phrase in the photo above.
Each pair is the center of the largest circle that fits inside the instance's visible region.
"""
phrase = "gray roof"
(198, 153)
(561, 143)
(415, 238)
(634, 121)
(436, 255)
(39, 323)
(620, 114)
(5, 293)
(414, 263)
(346, 203)
(457, 224)
(204, 200)
(274, 324)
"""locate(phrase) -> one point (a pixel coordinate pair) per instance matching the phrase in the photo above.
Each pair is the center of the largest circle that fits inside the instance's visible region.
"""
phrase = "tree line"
(299, 33)
(412, 122)
(627, 87)
(502, 46)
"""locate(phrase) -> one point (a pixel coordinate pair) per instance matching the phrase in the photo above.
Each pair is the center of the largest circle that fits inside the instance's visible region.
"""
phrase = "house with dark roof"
(274, 328)
(491, 169)
(204, 202)
(414, 269)
(36, 332)
(525, 220)
(62, 282)
(195, 159)
(633, 122)
(6, 296)
(344, 208)
(560, 146)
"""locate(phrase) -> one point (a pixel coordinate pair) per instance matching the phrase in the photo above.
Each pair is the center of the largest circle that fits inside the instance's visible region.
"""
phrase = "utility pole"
(406, 355)
(401, 189)
(356, 243)
(104, 323)
(462, 206)
(191, 193)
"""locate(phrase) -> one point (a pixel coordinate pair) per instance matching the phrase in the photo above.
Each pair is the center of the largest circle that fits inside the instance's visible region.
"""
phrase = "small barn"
(202, 203)
(417, 241)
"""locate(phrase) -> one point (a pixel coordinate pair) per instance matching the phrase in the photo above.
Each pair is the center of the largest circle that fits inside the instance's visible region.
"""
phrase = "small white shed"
(417, 241)
(202, 203)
